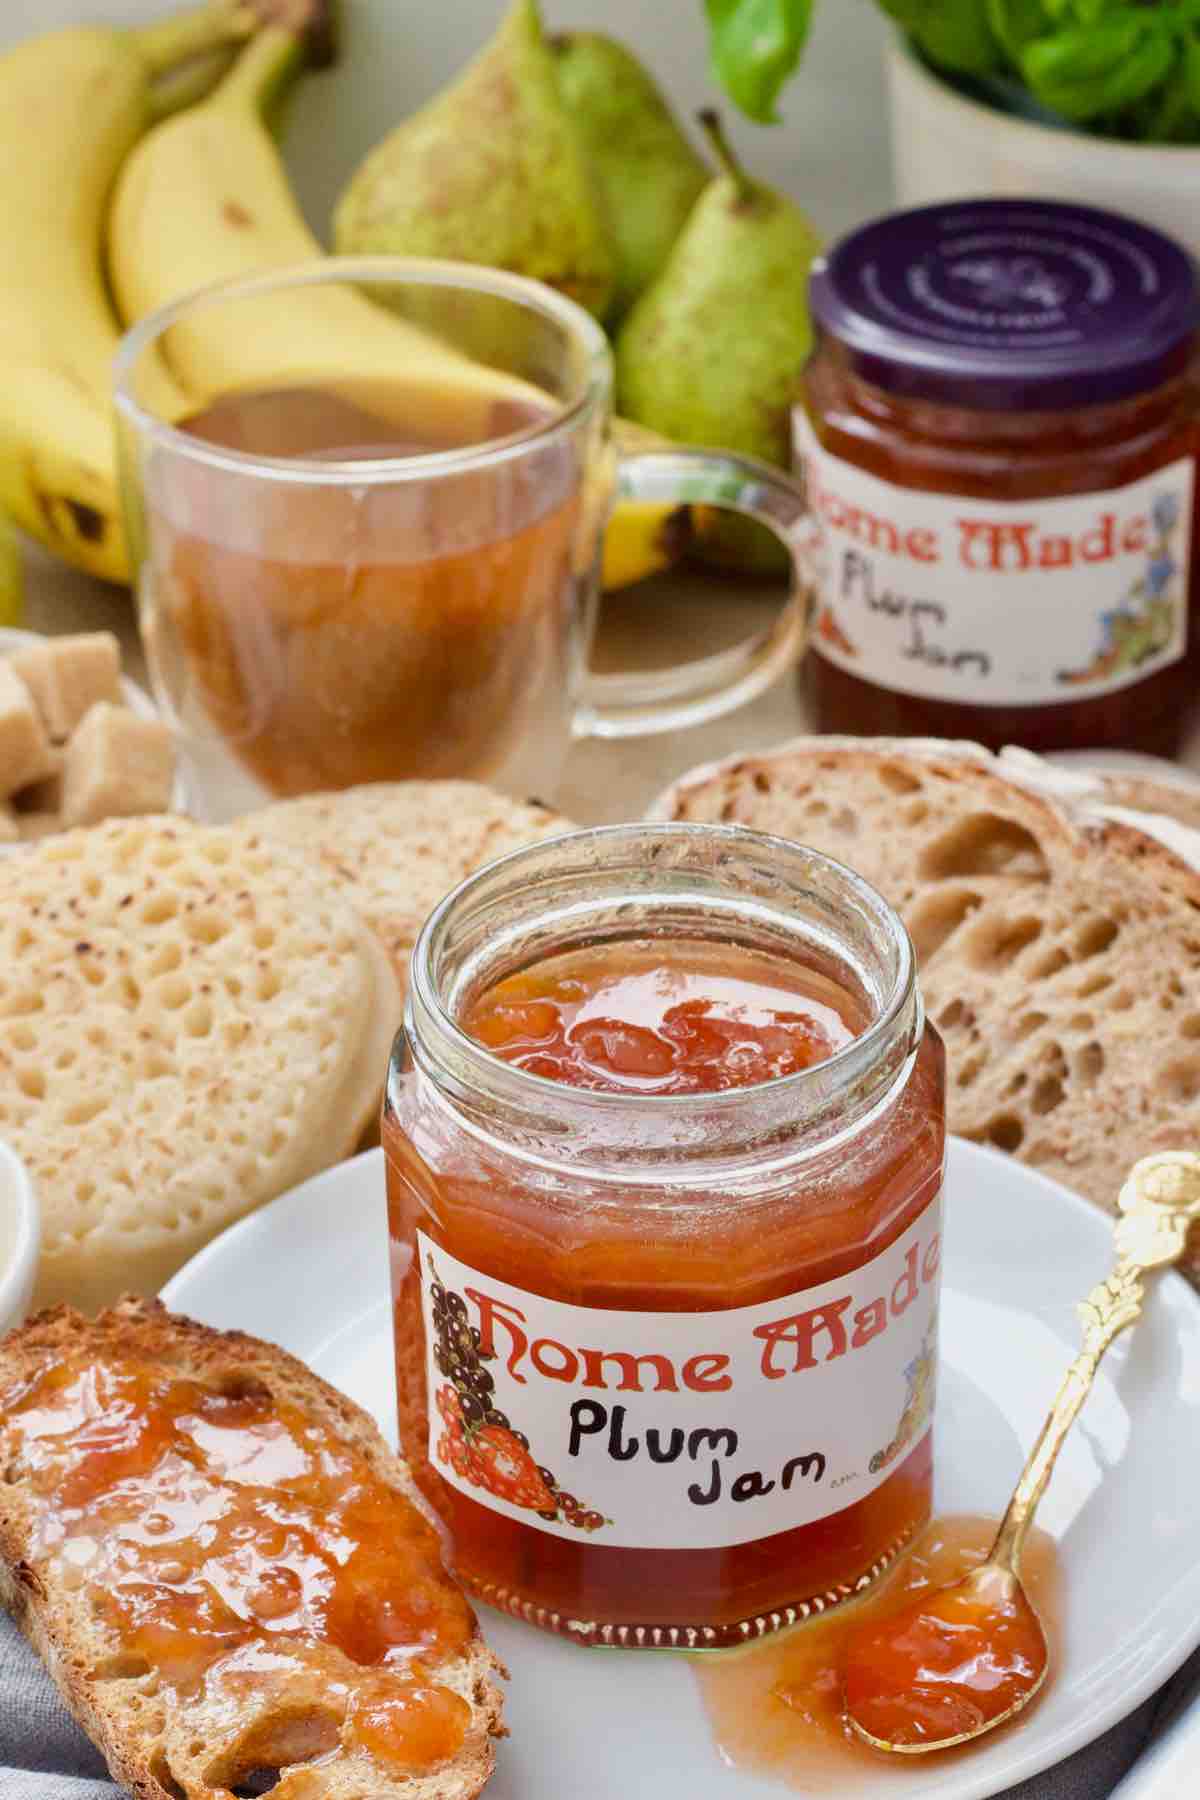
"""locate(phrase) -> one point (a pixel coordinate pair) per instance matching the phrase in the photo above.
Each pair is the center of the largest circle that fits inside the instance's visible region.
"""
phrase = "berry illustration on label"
(1143, 626)
(477, 1441)
(918, 1403)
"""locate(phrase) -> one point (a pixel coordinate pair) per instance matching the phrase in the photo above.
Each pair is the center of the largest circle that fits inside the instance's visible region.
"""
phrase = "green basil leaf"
(1090, 12)
(1170, 116)
(1080, 53)
(1191, 71)
(1142, 73)
(954, 35)
(1089, 70)
(1016, 23)
(754, 45)
(1083, 12)
(961, 39)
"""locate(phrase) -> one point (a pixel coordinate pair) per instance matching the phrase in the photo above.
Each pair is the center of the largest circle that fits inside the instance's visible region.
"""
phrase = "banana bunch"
(11, 575)
(643, 537)
(72, 105)
(146, 155)
(173, 227)
(205, 198)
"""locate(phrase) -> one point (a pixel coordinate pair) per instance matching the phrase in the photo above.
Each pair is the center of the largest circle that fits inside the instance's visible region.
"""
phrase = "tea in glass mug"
(367, 549)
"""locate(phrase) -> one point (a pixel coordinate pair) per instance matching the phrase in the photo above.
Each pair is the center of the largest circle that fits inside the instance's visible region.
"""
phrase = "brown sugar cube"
(43, 796)
(26, 753)
(68, 675)
(8, 824)
(117, 764)
(34, 825)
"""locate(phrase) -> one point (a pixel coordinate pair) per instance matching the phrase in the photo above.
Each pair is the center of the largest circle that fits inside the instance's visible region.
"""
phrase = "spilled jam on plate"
(777, 1708)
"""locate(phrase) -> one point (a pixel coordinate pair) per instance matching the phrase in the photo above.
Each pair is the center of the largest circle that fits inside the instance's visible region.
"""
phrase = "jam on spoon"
(948, 1666)
(963, 1660)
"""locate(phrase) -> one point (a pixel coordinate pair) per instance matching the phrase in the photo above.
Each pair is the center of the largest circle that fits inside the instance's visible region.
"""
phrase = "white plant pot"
(946, 146)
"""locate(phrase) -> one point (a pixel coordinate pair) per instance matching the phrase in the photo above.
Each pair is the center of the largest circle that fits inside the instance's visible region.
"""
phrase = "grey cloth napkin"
(44, 1755)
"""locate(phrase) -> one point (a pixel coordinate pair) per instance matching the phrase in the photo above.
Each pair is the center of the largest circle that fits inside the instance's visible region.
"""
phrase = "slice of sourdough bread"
(1059, 941)
(283, 1718)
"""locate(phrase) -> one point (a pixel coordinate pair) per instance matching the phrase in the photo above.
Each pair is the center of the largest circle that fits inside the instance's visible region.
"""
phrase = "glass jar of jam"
(998, 435)
(664, 1135)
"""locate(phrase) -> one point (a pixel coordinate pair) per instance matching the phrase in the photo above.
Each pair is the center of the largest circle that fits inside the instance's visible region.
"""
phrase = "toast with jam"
(227, 1574)
(1056, 918)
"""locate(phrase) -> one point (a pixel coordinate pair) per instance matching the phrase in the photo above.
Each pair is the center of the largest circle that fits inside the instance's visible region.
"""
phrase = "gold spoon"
(956, 1663)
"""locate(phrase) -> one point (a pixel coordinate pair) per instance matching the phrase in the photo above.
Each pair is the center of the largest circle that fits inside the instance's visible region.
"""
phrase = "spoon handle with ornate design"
(1158, 1203)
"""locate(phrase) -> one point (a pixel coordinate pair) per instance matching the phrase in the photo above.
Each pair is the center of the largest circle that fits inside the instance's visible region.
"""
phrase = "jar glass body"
(657, 1207)
(988, 454)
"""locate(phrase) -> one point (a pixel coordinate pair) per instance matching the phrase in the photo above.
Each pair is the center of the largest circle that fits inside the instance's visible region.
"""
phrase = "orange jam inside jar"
(665, 1138)
(998, 438)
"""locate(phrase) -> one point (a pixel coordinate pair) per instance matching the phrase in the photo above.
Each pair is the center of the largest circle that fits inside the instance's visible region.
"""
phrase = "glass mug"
(366, 500)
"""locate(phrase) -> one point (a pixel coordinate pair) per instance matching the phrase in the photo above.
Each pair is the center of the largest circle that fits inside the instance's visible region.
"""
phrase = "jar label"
(996, 603)
(670, 1430)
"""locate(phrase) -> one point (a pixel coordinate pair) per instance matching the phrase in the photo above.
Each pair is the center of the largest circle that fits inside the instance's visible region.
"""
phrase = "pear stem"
(722, 149)
(167, 42)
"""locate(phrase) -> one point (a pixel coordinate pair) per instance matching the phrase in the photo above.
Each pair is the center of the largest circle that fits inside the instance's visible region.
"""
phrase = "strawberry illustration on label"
(509, 1471)
(478, 1442)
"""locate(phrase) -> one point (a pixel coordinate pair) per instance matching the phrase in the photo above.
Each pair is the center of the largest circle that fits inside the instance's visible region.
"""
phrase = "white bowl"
(20, 1238)
(136, 699)
(948, 146)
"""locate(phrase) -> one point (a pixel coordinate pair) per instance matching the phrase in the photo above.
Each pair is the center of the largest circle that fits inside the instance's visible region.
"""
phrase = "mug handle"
(635, 705)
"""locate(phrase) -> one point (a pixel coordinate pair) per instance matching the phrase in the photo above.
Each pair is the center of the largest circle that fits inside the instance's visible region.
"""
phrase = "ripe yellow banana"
(205, 198)
(643, 537)
(11, 577)
(730, 541)
(71, 105)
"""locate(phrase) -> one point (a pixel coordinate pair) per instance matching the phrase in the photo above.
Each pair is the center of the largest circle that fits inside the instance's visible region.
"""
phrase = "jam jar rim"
(850, 1086)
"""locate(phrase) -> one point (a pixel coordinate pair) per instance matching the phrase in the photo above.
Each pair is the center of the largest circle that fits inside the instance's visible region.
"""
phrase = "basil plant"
(1121, 68)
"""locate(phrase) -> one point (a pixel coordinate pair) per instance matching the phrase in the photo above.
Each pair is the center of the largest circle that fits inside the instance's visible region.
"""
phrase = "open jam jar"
(998, 438)
(664, 1136)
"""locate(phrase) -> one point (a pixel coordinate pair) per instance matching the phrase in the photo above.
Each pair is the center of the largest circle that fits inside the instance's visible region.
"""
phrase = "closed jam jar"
(998, 436)
(664, 1136)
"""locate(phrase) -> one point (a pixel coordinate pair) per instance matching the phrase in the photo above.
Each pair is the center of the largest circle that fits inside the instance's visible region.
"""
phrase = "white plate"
(1128, 762)
(310, 1272)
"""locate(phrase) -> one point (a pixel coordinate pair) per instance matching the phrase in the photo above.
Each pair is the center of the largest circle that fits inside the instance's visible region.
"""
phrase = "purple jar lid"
(1014, 305)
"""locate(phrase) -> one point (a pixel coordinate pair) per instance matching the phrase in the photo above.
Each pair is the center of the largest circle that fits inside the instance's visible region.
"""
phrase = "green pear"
(712, 352)
(491, 171)
(729, 541)
(648, 174)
